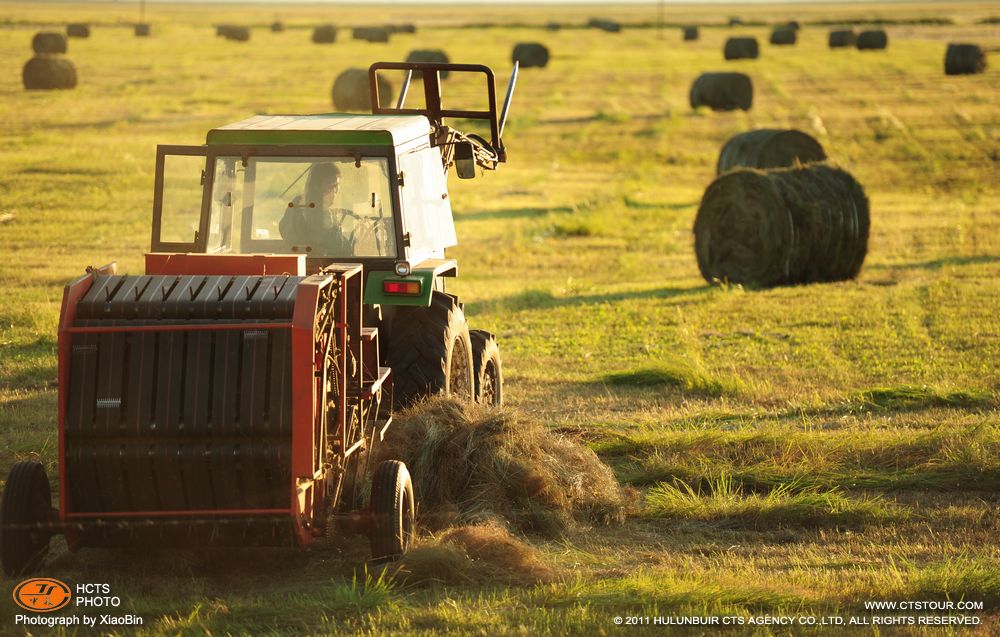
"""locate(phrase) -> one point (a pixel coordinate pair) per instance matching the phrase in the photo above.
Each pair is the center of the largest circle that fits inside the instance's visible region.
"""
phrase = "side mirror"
(465, 160)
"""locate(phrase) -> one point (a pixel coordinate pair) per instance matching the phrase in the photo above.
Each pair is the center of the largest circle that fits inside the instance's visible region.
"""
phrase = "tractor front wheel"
(392, 511)
(486, 369)
(26, 508)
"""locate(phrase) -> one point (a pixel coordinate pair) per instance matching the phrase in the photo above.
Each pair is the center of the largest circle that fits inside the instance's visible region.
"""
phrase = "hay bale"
(44, 72)
(78, 30)
(350, 91)
(841, 38)
(371, 34)
(735, 22)
(604, 24)
(277, 26)
(783, 37)
(690, 33)
(142, 30)
(434, 56)
(741, 49)
(530, 54)
(553, 26)
(407, 28)
(471, 463)
(964, 59)
(793, 24)
(232, 32)
(872, 40)
(49, 42)
(722, 91)
(782, 227)
(324, 34)
(769, 148)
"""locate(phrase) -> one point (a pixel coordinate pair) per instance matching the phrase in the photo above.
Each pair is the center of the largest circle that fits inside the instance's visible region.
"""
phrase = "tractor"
(293, 297)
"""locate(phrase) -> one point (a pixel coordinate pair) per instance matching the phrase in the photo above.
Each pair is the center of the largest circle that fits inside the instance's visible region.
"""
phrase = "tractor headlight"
(402, 268)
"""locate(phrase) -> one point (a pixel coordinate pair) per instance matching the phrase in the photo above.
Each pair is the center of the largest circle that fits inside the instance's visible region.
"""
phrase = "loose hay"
(741, 49)
(434, 56)
(77, 30)
(872, 40)
(781, 227)
(530, 54)
(769, 148)
(49, 42)
(44, 72)
(142, 30)
(843, 38)
(964, 59)
(325, 34)
(690, 34)
(722, 91)
(470, 463)
(351, 92)
(783, 37)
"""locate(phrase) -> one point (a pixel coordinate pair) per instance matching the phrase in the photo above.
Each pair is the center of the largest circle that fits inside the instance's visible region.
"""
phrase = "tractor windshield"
(320, 206)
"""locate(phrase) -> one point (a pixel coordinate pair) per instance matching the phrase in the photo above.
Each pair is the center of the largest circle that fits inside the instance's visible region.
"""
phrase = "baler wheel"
(486, 368)
(26, 508)
(392, 511)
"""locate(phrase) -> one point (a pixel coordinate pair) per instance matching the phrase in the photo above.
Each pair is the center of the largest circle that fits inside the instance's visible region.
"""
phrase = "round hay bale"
(964, 59)
(142, 30)
(783, 37)
(690, 33)
(722, 91)
(434, 56)
(407, 28)
(530, 54)
(237, 34)
(741, 49)
(603, 24)
(735, 22)
(769, 148)
(44, 72)
(350, 91)
(793, 24)
(277, 26)
(843, 38)
(371, 34)
(49, 42)
(78, 30)
(553, 26)
(324, 34)
(872, 40)
(782, 227)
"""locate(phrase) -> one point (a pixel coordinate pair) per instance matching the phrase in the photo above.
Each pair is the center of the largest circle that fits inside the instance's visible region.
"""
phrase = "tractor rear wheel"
(26, 508)
(430, 352)
(392, 511)
(486, 369)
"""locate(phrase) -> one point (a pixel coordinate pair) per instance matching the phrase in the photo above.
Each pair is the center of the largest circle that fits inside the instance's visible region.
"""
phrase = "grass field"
(795, 451)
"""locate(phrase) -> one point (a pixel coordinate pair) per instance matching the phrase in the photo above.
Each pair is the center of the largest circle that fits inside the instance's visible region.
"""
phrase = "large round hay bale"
(794, 24)
(530, 54)
(722, 91)
(407, 27)
(48, 72)
(782, 227)
(49, 42)
(238, 34)
(553, 26)
(964, 59)
(783, 37)
(78, 30)
(142, 30)
(841, 38)
(769, 148)
(324, 34)
(433, 56)
(350, 91)
(741, 48)
(371, 34)
(872, 40)
(277, 26)
(735, 22)
(604, 25)
(690, 33)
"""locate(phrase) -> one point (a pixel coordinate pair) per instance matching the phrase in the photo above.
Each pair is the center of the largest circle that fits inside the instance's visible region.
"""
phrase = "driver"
(314, 221)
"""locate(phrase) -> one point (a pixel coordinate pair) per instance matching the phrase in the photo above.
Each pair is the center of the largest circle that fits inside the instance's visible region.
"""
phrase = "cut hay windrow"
(874, 40)
(843, 38)
(351, 91)
(690, 33)
(78, 30)
(471, 464)
(769, 148)
(782, 227)
(530, 54)
(741, 49)
(324, 34)
(964, 59)
(434, 56)
(783, 37)
(722, 91)
(49, 42)
(46, 72)
(142, 30)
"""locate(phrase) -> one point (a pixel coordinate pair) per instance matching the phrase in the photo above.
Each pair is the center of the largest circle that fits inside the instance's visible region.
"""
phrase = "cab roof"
(332, 128)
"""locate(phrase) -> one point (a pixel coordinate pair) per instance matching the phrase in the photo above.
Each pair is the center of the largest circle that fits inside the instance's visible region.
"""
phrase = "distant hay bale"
(690, 33)
(604, 25)
(783, 37)
(277, 26)
(722, 91)
(371, 34)
(49, 42)
(741, 49)
(964, 59)
(782, 227)
(872, 40)
(142, 30)
(433, 56)
(232, 32)
(350, 91)
(769, 148)
(324, 34)
(408, 27)
(793, 24)
(45, 72)
(553, 26)
(841, 38)
(530, 54)
(78, 30)
(735, 22)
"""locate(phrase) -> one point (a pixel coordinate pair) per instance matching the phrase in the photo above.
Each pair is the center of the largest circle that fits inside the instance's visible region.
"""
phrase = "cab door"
(180, 215)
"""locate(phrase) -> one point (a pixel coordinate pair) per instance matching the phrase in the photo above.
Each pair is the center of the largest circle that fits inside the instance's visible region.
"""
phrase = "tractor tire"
(486, 368)
(26, 508)
(392, 511)
(430, 352)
